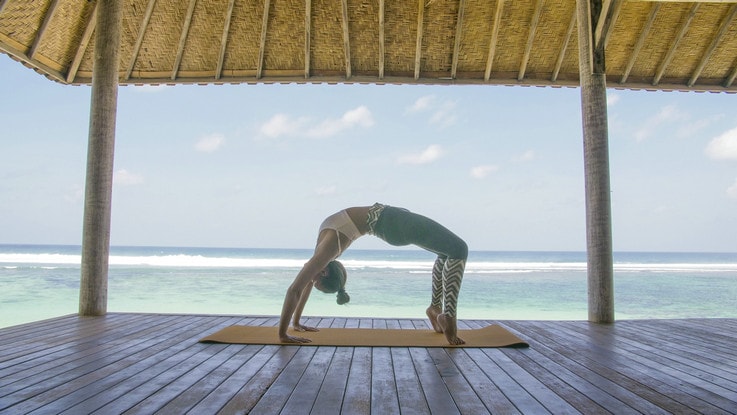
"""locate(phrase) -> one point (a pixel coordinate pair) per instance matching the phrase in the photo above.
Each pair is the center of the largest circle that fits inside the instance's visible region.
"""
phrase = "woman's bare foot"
(432, 314)
(449, 327)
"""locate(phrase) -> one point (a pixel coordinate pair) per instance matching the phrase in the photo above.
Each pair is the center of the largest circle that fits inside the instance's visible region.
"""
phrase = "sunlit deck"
(143, 363)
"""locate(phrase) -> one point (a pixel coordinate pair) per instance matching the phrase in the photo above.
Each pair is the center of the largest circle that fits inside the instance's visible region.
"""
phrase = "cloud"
(326, 190)
(284, 125)
(421, 104)
(612, 99)
(443, 113)
(528, 155)
(666, 114)
(280, 124)
(429, 155)
(723, 147)
(732, 190)
(359, 117)
(123, 177)
(480, 172)
(210, 143)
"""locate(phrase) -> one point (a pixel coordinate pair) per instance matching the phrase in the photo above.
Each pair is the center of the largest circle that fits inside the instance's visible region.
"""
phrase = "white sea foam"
(412, 266)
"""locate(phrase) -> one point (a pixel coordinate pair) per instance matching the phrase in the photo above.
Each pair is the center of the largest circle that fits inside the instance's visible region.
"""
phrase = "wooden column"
(596, 161)
(100, 150)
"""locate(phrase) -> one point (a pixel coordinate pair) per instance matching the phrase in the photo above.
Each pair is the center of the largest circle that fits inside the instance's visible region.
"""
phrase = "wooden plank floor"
(141, 364)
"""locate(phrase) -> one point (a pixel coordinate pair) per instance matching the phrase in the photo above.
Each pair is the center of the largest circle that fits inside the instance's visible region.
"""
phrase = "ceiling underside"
(660, 45)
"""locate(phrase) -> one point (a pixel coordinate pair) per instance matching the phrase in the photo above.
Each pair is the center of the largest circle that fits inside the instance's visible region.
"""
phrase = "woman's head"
(333, 281)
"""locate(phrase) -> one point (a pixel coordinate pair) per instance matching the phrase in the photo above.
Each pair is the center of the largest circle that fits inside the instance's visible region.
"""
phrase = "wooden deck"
(141, 363)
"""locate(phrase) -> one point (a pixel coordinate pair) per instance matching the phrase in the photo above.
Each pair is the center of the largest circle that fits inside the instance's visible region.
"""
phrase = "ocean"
(42, 281)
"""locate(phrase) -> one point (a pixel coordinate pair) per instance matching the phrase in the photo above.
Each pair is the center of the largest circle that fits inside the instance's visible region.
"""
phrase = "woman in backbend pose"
(396, 226)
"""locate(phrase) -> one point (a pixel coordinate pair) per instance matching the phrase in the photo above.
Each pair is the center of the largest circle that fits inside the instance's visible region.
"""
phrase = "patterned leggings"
(401, 227)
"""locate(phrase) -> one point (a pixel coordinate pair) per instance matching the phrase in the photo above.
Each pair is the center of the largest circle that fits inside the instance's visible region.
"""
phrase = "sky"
(260, 166)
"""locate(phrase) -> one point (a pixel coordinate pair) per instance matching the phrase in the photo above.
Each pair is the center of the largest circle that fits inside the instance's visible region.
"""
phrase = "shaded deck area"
(145, 363)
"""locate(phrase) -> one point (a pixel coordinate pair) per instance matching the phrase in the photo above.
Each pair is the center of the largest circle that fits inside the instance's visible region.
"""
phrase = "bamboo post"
(600, 265)
(100, 151)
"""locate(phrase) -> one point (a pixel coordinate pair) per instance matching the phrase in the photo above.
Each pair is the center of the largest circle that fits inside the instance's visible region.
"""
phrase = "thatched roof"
(649, 44)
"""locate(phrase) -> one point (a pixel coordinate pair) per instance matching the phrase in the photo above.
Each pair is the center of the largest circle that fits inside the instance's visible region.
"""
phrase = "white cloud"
(326, 190)
(528, 155)
(421, 104)
(443, 113)
(210, 143)
(723, 147)
(612, 99)
(732, 190)
(359, 117)
(279, 124)
(284, 125)
(666, 114)
(125, 178)
(480, 172)
(429, 155)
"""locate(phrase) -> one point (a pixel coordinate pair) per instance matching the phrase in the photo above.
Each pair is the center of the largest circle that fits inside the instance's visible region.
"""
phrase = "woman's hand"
(293, 339)
(300, 327)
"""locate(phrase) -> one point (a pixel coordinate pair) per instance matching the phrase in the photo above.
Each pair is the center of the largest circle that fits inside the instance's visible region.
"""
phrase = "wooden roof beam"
(730, 79)
(262, 42)
(494, 39)
(530, 39)
(418, 46)
(457, 42)
(381, 38)
(224, 39)
(183, 38)
(139, 40)
(346, 39)
(83, 43)
(308, 35)
(720, 34)
(640, 41)
(42, 30)
(564, 47)
(608, 17)
(674, 44)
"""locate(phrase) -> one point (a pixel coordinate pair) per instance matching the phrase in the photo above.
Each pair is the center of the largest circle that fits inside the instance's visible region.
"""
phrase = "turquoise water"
(40, 282)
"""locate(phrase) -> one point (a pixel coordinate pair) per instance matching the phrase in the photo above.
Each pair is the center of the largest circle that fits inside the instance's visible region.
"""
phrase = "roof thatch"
(649, 44)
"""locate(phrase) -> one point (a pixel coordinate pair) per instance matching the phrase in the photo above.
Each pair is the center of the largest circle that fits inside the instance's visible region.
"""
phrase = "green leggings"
(401, 227)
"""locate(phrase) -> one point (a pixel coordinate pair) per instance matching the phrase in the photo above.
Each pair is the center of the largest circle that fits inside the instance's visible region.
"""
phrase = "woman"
(396, 226)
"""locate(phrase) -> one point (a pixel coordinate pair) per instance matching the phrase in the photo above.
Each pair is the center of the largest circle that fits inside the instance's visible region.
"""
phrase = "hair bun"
(343, 297)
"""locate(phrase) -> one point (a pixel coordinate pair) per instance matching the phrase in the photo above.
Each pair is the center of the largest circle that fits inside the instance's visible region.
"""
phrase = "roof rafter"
(457, 42)
(530, 39)
(183, 38)
(308, 34)
(640, 41)
(674, 45)
(139, 40)
(607, 20)
(704, 59)
(224, 39)
(346, 39)
(418, 46)
(83, 43)
(730, 79)
(564, 47)
(381, 39)
(42, 30)
(262, 42)
(494, 38)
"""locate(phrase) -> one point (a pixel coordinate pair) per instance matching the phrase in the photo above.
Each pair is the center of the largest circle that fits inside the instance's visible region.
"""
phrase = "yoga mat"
(490, 336)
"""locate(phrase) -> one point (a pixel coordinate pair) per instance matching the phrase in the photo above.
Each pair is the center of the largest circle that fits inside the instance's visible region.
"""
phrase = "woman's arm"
(300, 307)
(325, 251)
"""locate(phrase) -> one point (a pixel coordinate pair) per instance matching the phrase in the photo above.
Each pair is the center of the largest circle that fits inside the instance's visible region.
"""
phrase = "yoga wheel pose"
(396, 226)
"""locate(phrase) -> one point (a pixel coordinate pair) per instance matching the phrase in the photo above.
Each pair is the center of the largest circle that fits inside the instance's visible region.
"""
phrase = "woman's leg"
(436, 301)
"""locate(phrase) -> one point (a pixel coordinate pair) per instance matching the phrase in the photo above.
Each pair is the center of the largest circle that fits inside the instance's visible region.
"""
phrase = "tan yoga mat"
(490, 336)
